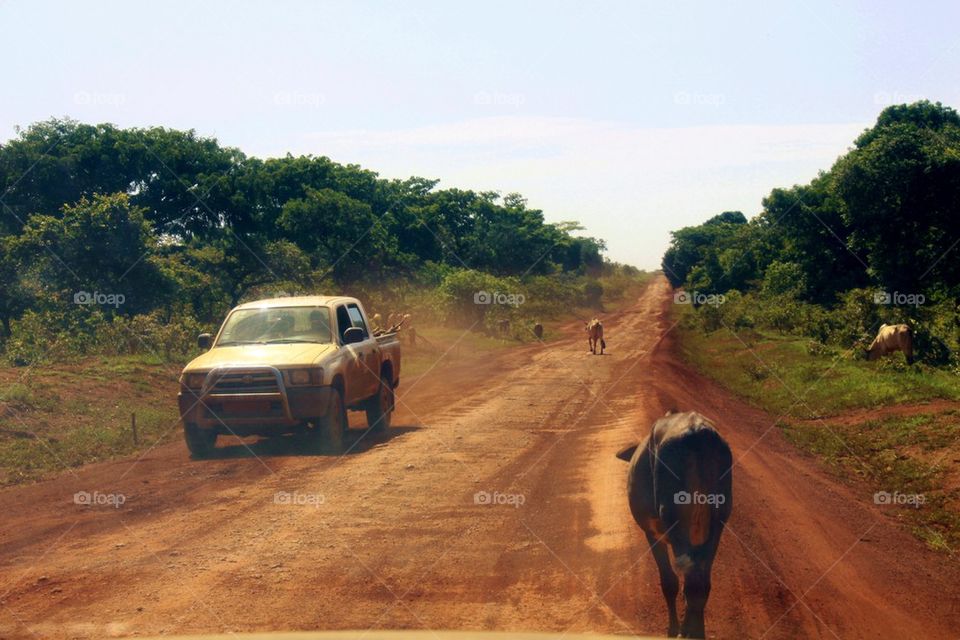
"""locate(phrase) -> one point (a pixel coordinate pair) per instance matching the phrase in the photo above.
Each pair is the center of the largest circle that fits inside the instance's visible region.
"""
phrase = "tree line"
(885, 215)
(884, 220)
(182, 226)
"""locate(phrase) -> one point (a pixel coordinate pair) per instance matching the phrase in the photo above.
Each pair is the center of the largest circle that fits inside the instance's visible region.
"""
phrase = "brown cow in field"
(681, 494)
(595, 335)
(538, 331)
(891, 338)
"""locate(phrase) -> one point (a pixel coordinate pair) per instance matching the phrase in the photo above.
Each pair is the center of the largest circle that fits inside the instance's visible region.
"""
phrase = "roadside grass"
(817, 391)
(912, 455)
(56, 418)
(789, 375)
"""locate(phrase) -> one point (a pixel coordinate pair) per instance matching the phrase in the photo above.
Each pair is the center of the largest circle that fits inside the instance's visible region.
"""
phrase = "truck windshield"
(276, 325)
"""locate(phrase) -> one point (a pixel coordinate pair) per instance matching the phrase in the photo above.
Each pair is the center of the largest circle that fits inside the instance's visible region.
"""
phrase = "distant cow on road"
(891, 338)
(595, 335)
(680, 490)
(538, 331)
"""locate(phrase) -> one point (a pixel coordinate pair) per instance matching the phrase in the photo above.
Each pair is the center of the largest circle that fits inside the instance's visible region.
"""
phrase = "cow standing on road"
(681, 494)
(538, 331)
(595, 336)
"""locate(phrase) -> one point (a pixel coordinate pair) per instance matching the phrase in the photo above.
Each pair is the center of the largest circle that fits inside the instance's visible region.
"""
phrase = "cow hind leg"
(696, 590)
(669, 583)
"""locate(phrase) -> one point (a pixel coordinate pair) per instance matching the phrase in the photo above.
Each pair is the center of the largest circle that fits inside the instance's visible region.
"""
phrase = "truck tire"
(333, 425)
(200, 442)
(380, 407)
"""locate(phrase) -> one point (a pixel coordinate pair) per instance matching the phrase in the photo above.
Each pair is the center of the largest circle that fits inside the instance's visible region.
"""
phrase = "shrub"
(784, 279)
(593, 295)
(52, 334)
(148, 333)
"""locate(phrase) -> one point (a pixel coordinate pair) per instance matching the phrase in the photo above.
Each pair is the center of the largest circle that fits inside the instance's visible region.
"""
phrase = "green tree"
(341, 235)
(102, 244)
(900, 190)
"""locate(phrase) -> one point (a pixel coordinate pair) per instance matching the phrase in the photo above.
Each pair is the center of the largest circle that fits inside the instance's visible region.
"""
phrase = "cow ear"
(627, 454)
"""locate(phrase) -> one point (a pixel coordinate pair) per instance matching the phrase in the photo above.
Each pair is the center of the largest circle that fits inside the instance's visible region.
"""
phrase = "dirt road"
(495, 503)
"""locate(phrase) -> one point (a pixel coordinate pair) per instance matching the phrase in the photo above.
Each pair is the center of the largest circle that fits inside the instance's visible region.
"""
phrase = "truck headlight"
(193, 380)
(301, 377)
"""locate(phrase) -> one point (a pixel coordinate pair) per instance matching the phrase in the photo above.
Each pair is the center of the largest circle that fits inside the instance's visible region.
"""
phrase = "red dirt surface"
(395, 534)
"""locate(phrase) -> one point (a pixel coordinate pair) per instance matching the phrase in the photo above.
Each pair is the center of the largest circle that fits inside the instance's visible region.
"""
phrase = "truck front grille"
(246, 382)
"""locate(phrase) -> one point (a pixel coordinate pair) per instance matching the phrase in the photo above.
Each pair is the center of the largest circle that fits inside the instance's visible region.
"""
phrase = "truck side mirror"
(353, 335)
(204, 340)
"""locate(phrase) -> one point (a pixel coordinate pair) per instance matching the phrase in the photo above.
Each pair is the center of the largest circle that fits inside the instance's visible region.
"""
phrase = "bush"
(593, 295)
(467, 297)
(784, 279)
(148, 333)
(52, 335)
(65, 335)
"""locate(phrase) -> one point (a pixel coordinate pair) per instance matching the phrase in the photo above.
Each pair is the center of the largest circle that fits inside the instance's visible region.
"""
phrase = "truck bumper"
(240, 412)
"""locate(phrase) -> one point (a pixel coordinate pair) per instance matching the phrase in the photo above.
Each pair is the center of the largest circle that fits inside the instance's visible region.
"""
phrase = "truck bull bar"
(243, 383)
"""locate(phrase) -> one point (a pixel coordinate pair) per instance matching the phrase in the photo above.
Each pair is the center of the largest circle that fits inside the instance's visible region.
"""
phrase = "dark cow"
(891, 338)
(538, 331)
(503, 326)
(680, 490)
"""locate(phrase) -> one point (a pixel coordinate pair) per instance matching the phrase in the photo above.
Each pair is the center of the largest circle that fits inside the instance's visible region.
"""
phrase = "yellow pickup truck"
(289, 365)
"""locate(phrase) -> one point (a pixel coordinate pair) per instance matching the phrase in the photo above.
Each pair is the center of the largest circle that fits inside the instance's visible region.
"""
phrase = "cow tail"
(693, 489)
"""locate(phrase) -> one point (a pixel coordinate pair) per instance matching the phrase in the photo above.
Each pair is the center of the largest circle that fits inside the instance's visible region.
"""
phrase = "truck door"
(358, 368)
(369, 351)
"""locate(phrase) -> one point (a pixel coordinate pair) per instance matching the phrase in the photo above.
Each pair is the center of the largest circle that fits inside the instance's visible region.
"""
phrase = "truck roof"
(296, 301)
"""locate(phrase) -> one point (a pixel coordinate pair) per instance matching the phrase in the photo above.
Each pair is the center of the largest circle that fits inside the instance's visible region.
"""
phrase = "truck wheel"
(333, 424)
(200, 442)
(380, 407)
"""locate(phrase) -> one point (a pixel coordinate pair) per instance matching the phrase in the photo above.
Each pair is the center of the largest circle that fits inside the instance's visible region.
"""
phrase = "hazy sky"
(634, 118)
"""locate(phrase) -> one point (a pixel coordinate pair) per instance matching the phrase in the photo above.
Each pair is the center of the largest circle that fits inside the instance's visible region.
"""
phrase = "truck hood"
(275, 355)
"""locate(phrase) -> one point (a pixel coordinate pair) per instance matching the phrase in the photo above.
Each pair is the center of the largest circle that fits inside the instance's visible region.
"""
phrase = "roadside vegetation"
(909, 459)
(119, 246)
(781, 309)
(132, 241)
